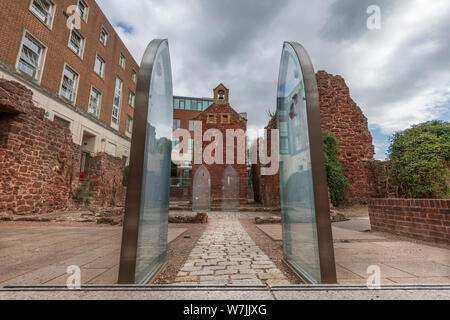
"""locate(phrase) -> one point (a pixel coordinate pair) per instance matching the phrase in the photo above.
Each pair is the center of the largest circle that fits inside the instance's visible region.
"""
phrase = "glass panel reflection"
(154, 207)
(300, 242)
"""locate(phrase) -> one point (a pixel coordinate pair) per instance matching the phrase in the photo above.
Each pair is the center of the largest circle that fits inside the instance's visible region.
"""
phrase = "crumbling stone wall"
(341, 116)
(38, 160)
(106, 172)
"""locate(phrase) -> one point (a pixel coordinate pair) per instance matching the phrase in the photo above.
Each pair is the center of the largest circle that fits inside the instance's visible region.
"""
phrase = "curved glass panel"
(230, 189)
(201, 194)
(154, 206)
(300, 242)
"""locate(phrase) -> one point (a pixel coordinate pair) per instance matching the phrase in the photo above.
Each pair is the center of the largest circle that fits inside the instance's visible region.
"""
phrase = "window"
(76, 42)
(199, 105)
(176, 103)
(191, 144)
(43, 9)
(131, 99)
(99, 66)
(83, 9)
(225, 118)
(116, 102)
(94, 102)
(182, 104)
(62, 122)
(211, 118)
(103, 36)
(176, 124)
(31, 57)
(69, 84)
(129, 124)
(122, 61)
(191, 125)
(134, 76)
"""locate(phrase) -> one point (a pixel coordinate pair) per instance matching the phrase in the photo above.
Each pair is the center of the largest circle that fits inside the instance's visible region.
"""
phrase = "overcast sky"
(399, 75)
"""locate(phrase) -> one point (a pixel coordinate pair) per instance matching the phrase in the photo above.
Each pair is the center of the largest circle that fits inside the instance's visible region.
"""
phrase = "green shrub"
(337, 183)
(83, 193)
(419, 161)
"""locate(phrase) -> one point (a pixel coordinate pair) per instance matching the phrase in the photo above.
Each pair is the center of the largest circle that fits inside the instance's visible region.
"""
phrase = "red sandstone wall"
(424, 219)
(38, 160)
(341, 116)
(106, 172)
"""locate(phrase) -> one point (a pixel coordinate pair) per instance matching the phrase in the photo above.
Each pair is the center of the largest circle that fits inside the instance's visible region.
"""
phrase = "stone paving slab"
(274, 232)
(225, 254)
(399, 261)
(41, 254)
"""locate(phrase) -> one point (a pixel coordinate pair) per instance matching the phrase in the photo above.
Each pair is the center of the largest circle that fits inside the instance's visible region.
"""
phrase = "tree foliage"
(419, 161)
(337, 182)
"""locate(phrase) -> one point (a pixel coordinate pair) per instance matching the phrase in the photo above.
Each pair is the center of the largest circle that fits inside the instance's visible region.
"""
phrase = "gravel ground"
(273, 249)
(178, 251)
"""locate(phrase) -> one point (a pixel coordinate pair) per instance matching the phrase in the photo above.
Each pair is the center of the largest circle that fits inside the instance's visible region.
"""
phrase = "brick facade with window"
(220, 115)
(44, 22)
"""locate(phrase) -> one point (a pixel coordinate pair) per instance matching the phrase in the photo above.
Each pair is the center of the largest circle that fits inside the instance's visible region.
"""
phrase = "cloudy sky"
(399, 75)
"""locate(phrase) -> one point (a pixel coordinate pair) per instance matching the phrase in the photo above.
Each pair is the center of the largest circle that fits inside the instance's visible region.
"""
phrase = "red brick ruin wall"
(38, 160)
(341, 116)
(40, 164)
(106, 172)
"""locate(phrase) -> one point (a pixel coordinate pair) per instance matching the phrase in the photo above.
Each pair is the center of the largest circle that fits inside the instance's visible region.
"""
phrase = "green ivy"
(419, 166)
(337, 183)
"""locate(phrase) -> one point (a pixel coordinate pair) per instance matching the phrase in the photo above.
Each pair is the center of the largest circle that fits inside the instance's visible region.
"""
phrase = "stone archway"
(201, 191)
(230, 189)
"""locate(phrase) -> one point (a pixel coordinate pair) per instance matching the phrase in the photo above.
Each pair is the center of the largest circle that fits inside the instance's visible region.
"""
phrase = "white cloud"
(399, 75)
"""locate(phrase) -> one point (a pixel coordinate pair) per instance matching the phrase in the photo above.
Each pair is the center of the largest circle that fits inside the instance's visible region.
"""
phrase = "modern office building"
(186, 109)
(84, 78)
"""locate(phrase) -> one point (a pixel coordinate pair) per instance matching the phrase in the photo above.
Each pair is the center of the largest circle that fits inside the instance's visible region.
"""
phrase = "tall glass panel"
(154, 206)
(300, 241)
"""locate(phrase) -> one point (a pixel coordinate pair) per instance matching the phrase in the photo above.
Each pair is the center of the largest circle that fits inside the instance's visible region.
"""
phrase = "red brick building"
(85, 79)
(228, 181)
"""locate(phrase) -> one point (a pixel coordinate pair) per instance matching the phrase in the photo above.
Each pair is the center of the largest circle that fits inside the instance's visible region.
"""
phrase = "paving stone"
(227, 271)
(201, 273)
(225, 253)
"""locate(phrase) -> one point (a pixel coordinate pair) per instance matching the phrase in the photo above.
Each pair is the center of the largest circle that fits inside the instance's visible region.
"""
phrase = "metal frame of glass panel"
(307, 234)
(144, 240)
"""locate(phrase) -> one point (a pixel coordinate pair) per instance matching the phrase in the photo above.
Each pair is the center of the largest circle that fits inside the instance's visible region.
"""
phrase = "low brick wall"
(423, 219)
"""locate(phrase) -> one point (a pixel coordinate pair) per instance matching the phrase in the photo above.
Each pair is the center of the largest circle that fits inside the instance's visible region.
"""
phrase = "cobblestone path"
(225, 254)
